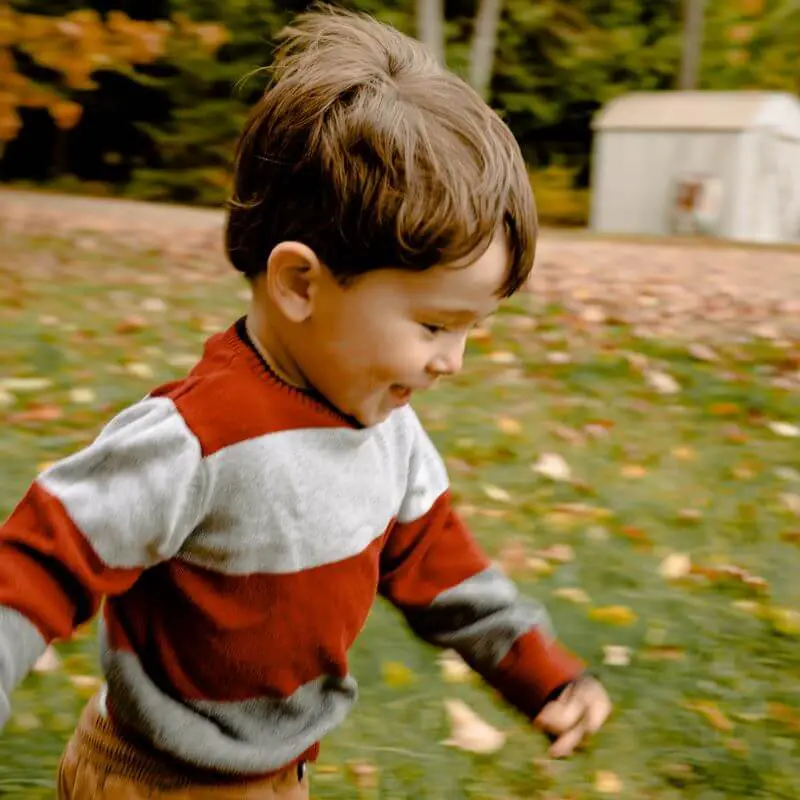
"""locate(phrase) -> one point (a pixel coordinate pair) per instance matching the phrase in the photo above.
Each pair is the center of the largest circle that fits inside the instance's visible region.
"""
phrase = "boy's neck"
(267, 343)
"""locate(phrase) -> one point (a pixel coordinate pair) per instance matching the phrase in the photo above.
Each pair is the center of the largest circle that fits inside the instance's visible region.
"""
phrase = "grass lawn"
(708, 705)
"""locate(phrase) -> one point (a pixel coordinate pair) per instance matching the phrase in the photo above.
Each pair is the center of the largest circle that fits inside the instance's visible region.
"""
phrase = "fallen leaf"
(613, 615)
(724, 409)
(594, 315)
(86, 685)
(785, 621)
(553, 466)
(497, 494)
(702, 352)
(397, 675)
(633, 471)
(509, 425)
(792, 502)
(573, 594)
(469, 732)
(661, 382)
(139, 370)
(684, 453)
(607, 782)
(454, 668)
(363, 774)
(155, 304)
(713, 715)
(48, 661)
(6, 399)
(675, 566)
(82, 395)
(562, 553)
(788, 474)
(730, 572)
(539, 565)
(502, 357)
(131, 324)
(784, 429)
(663, 652)
(513, 556)
(39, 414)
(616, 655)
(23, 385)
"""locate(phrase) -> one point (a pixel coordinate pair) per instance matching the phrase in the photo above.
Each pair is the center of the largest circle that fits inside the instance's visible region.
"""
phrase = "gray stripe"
(249, 737)
(20, 645)
(138, 490)
(481, 618)
(300, 499)
(427, 479)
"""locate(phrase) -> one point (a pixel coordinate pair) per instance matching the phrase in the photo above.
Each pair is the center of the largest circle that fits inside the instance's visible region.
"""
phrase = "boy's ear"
(293, 275)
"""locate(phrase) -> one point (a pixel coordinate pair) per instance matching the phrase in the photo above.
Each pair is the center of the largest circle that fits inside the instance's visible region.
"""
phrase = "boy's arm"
(89, 525)
(453, 597)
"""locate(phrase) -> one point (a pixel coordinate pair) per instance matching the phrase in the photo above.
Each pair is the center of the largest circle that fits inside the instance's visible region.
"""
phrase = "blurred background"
(624, 438)
(142, 98)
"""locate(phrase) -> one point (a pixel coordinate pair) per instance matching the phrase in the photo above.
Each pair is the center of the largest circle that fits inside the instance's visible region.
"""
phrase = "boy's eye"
(433, 328)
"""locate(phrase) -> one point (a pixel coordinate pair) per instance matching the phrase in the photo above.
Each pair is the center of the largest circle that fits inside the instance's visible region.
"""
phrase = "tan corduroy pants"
(99, 764)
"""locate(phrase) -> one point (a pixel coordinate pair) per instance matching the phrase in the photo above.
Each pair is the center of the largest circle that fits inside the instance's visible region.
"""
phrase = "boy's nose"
(449, 360)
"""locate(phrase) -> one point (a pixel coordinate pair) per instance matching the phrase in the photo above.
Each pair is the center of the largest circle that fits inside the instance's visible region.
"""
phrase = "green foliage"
(167, 131)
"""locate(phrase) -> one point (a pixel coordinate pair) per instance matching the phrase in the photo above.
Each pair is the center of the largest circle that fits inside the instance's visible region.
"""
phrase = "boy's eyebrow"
(458, 314)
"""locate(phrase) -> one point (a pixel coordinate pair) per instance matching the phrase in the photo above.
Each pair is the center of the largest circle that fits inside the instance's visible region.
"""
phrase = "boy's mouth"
(401, 393)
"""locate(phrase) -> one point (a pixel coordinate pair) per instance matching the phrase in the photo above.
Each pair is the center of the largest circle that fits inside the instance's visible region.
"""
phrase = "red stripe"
(219, 637)
(229, 397)
(425, 557)
(532, 670)
(49, 571)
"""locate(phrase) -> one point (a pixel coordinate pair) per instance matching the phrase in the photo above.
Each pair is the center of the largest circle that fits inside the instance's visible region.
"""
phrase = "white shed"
(724, 164)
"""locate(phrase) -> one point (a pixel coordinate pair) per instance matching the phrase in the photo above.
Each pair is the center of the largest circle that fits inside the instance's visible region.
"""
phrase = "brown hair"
(372, 154)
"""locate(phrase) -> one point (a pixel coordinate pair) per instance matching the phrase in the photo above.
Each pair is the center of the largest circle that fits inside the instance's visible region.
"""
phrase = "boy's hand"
(579, 711)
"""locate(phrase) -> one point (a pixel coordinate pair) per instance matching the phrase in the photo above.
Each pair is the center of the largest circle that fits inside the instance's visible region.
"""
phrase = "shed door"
(767, 183)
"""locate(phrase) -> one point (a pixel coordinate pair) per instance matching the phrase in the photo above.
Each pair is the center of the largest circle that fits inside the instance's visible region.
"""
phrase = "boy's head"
(380, 208)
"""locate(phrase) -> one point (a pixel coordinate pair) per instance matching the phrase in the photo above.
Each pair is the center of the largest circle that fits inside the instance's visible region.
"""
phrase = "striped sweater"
(239, 532)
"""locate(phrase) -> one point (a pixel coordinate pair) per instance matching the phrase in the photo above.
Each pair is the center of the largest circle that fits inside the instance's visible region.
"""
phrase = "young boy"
(240, 522)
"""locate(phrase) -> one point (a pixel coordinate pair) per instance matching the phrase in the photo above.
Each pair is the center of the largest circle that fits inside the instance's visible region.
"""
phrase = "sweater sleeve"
(89, 525)
(452, 596)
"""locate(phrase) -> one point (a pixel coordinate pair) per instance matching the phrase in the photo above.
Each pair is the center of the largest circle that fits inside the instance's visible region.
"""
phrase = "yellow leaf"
(82, 395)
(786, 621)
(684, 453)
(363, 774)
(139, 370)
(712, 714)
(509, 425)
(633, 471)
(675, 566)
(497, 494)
(607, 782)
(616, 655)
(613, 615)
(454, 668)
(574, 595)
(397, 675)
(469, 732)
(561, 553)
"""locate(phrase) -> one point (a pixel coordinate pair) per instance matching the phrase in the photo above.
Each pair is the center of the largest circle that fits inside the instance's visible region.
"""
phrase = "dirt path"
(688, 290)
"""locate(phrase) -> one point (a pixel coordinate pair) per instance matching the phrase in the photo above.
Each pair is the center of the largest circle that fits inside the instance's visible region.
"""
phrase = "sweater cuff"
(534, 671)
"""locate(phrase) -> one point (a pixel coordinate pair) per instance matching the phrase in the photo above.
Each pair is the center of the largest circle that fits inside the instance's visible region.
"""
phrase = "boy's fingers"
(560, 716)
(567, 742)
(597, 713)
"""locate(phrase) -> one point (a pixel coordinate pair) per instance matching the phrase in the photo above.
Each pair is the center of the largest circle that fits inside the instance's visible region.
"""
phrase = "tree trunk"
(692, 43)
(484, 43)
(430, 26)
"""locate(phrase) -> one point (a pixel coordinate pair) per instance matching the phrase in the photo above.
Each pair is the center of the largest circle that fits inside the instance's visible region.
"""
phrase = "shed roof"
(721, 111)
